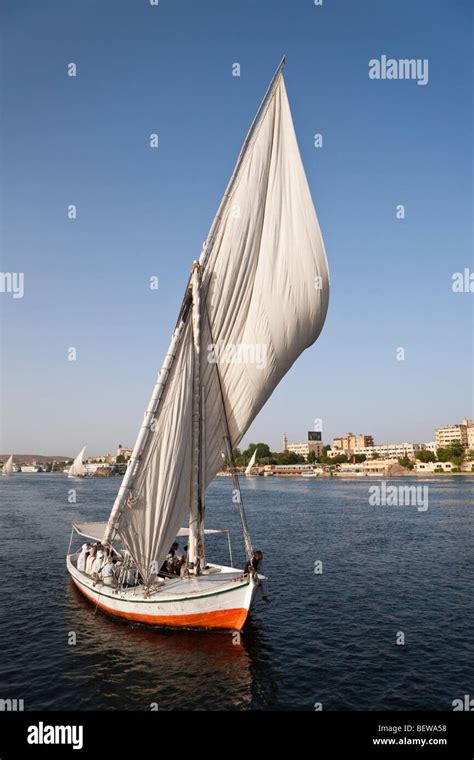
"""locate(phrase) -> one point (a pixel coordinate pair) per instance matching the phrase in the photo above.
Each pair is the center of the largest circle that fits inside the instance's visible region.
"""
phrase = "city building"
(429, 467)
(314, 443)
(101, 459)
(470, 437)
(448, 434)
(349, 442)
(392, 450)
(122, 451)
(374, 467)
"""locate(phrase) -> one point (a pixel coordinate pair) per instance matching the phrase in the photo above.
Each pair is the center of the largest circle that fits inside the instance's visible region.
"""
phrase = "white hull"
(30, 468)
(221, 599)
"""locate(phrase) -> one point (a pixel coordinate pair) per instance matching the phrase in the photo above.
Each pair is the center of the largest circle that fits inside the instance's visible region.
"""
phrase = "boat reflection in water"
(137, 667)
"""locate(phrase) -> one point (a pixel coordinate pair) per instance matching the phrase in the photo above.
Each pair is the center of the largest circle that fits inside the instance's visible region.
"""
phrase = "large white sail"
(264, 297)
(248, 469)
(77, 469)
(8, 468)
(266, 284)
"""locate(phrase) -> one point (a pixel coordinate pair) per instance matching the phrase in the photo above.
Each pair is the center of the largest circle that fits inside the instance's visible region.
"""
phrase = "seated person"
(91, 559)
(168, 564)
(97, 564)
(252, 567)
(108, 572)
(82, 558)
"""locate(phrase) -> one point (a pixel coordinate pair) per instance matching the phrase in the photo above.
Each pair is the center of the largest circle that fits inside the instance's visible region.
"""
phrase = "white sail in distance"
(265, 290)
(248, 469)
(8, 466)
(77, 469)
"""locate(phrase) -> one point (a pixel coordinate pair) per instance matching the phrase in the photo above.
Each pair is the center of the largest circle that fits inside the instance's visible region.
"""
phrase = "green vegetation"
(264, 456)
(339, 459)
(406, 463)
(426, 456)
(453, 453)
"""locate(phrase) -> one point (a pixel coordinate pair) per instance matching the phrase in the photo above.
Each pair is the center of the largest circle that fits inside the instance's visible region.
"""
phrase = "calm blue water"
(328, 638)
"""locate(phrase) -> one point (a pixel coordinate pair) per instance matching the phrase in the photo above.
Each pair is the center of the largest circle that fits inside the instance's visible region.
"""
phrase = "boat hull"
(226, 607)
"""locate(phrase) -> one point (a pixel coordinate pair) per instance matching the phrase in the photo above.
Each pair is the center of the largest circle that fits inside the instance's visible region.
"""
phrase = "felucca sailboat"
(8, 468)
(261, 282)
(248, 469)
(77, 469)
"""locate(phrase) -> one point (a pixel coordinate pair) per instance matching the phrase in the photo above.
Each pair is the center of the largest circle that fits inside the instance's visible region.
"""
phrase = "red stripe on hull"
(232, 619)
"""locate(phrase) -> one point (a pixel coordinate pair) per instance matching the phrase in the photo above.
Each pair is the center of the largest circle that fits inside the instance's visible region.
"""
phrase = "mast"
(195, 548)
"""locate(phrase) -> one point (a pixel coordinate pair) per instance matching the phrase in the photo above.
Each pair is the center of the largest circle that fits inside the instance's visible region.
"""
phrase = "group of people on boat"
(94, 560)
(175, 563)
(103, 565)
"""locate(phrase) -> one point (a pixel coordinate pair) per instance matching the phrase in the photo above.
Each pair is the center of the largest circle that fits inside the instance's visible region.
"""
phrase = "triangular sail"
(266, 284)
(160, 496)
(251, 463)
(77, 469)
(8, 468)
(264, 298)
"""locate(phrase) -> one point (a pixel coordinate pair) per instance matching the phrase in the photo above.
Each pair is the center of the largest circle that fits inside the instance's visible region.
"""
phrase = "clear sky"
(144, 212)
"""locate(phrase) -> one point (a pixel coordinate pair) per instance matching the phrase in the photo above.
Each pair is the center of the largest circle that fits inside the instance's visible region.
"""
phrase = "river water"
(389, 574)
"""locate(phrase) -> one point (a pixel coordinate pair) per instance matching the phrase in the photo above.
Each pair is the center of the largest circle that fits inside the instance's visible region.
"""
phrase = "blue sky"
(143, 212)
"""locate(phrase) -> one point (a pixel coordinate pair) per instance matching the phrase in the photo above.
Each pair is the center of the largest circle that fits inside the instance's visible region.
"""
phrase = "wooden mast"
(195, 549)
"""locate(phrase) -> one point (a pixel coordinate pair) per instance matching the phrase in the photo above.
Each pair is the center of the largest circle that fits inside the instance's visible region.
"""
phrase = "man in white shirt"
(81, 560)
(91, 559)
(108, 573)
(98, 562)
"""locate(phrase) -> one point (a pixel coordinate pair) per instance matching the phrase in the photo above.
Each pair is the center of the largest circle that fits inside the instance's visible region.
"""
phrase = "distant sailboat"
(77, 469)
(261, 281)
(248, 471)
(8, 468)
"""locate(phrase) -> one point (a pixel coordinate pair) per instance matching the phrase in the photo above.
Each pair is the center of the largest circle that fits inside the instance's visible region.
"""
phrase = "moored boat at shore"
(30, 468)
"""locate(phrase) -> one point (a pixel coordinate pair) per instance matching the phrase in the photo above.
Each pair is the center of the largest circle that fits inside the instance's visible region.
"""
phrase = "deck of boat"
(214, 578)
